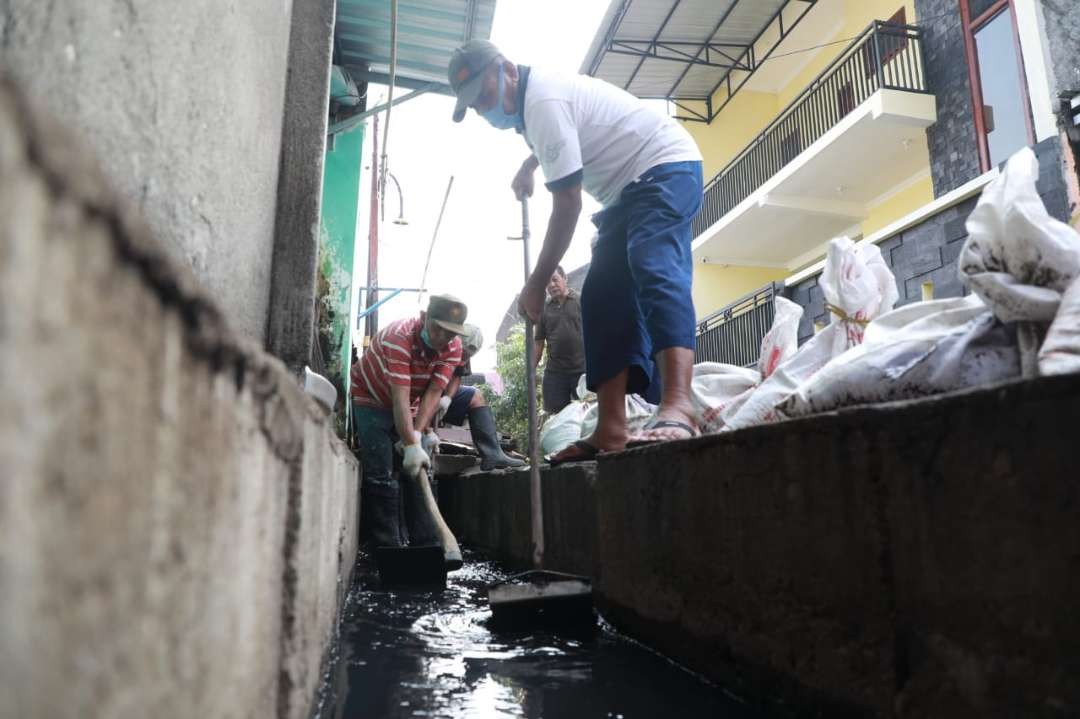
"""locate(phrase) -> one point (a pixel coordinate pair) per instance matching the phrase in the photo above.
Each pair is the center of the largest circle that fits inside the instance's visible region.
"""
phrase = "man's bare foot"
(668, 425)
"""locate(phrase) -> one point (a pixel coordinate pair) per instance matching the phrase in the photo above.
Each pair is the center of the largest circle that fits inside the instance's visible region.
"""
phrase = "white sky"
(472, 257)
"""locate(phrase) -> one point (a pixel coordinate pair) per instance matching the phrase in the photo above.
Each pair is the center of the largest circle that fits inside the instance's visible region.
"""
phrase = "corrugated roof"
(676, 49)
(428, 32)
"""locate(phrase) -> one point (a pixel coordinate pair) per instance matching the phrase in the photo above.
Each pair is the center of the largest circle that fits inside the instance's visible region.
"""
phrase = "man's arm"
(403, 421)
(538, 351)
(564, 216)
(453, 387)
(428, 404)
(523, 182)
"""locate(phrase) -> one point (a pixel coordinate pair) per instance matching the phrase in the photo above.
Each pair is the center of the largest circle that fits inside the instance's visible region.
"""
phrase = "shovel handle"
(451, 550)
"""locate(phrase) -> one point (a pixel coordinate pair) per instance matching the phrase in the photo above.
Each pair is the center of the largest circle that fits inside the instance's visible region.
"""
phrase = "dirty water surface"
(432, 654)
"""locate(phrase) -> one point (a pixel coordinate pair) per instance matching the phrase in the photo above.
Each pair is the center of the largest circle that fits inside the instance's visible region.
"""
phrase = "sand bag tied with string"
(718, 388)
(858, 287)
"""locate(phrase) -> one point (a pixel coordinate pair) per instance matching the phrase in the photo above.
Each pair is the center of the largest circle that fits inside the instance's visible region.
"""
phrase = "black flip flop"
(662, 424)
(587, 454)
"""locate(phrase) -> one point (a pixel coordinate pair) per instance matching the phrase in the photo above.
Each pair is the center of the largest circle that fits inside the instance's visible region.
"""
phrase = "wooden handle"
(451, 550)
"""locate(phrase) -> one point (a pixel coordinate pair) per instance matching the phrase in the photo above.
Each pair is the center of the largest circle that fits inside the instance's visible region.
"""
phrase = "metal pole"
(535, 496)
(371, 327)
(434, 235)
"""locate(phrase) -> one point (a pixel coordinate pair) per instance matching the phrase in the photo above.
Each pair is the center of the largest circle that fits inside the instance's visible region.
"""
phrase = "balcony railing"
(884, 56)
(733, 334)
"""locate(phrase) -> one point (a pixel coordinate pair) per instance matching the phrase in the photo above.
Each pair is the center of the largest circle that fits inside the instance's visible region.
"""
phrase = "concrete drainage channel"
(436, 654)
(869, 562)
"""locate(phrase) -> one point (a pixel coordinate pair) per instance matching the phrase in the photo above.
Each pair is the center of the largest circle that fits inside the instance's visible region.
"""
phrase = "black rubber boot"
(380, 506)
(418, 521)
(486, 439)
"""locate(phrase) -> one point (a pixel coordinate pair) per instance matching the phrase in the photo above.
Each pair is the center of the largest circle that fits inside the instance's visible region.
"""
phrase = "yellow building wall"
(858, 14)
(746, 115)
(718, 285)
(902, 203)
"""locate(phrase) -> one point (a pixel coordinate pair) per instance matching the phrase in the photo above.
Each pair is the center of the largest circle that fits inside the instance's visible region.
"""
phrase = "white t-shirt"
(578, 124)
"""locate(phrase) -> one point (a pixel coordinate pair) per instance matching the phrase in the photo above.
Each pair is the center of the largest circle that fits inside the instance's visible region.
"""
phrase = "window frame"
(969, 26)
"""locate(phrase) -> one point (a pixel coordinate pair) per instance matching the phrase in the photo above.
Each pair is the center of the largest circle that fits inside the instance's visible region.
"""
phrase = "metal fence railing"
(733, 334)
(884, 56)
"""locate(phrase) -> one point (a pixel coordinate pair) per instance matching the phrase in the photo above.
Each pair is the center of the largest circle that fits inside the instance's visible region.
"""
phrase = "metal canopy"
(686, 50)
(428, 32)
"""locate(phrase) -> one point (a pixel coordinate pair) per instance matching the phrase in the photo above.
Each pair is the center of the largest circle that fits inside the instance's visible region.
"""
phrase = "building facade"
(844, 118)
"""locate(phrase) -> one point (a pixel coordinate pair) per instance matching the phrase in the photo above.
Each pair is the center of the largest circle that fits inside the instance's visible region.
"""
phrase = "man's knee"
(477, 400)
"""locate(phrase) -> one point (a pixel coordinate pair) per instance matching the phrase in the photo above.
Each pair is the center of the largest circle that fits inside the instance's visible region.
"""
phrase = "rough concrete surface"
(176, 516)
(291, 315)
(182, 102)
(914, 559)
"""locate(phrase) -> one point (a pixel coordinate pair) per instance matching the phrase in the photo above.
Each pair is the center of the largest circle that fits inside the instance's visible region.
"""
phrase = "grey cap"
(448, 312)
(466, 72)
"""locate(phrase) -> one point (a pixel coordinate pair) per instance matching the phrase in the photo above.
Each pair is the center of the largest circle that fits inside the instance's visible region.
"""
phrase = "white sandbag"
(1017, 257)
(562, 429)
(638, 414)
(858, 287)
(717, 388)
(583, 392)
(921, 349)
(1060, 353)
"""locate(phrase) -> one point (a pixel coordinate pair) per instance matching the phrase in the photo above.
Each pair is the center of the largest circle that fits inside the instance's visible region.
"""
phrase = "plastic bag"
(562, 429)
(1017, 257)
(718, 390)
(858, 287)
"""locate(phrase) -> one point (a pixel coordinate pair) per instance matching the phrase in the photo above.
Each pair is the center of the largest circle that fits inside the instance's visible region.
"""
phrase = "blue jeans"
(458, 410)
(376, 435)
(636, 300)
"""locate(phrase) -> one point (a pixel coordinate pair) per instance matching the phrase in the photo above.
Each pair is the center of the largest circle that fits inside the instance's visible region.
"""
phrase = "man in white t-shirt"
(645, 170)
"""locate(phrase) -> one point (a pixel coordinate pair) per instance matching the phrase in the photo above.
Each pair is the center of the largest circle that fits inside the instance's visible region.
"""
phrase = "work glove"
(444, 405)
(429, 442)
(415, 460)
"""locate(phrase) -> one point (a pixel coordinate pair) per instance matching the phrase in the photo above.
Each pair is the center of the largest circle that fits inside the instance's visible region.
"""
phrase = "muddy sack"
(1019, 259)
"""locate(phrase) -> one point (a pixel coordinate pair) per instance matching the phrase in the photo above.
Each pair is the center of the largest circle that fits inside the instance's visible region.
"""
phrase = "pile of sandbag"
(719, 390)
(1019, 262)
(578, 419)
(858, 287)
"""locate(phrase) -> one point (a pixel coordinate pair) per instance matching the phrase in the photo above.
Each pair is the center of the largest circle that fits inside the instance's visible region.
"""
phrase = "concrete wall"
(183, 103)
(906, 560)
(177, 519)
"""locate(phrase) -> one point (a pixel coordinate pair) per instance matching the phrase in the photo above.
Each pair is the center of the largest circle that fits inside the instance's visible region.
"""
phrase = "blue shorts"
(636, 300)
(459, 406)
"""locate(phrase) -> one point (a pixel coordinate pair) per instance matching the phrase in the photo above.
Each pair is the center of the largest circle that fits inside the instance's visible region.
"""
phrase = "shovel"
(421, 565)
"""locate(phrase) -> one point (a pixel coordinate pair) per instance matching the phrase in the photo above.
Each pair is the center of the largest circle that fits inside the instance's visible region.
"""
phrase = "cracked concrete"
(179, 522)
(183, 104)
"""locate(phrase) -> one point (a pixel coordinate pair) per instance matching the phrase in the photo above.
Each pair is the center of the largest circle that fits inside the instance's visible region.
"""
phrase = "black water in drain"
(431, 654)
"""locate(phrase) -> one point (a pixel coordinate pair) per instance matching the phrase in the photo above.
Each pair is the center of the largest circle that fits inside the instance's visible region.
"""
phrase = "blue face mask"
(425, 337)
(497, 116)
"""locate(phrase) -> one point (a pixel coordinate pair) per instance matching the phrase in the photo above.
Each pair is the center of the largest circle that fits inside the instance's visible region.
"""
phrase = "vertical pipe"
(371, 324)
(536, 510)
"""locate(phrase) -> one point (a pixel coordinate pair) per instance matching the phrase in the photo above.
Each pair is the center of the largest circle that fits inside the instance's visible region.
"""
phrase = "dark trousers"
(559, 388)
(636, 299)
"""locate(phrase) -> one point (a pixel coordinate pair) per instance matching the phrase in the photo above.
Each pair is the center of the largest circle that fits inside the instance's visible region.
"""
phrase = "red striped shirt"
(397, 356)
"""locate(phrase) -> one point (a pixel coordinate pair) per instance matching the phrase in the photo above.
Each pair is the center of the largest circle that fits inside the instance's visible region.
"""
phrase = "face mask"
(425, 337)
(497, 116)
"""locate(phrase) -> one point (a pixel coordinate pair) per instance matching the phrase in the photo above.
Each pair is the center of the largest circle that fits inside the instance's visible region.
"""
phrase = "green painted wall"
(341, 195)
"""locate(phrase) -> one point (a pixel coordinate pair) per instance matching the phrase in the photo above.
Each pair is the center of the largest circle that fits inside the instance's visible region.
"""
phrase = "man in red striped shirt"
(396, 387)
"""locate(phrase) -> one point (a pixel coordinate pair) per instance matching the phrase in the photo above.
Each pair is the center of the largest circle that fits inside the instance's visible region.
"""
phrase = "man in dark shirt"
(560, 327)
